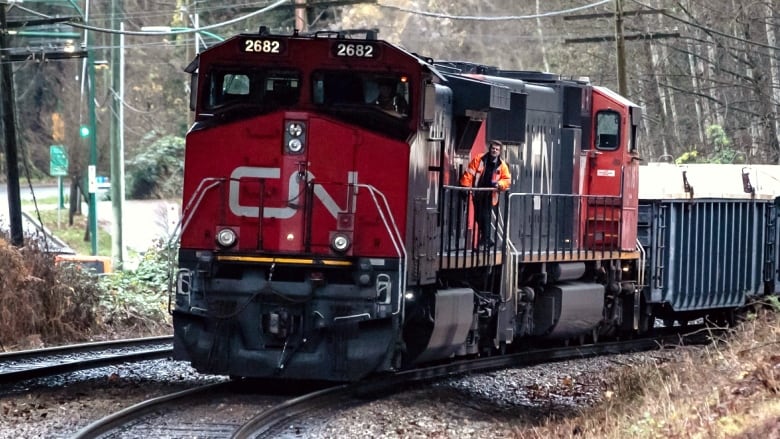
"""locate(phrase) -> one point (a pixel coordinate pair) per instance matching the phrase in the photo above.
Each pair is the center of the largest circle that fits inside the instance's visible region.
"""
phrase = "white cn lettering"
(293, 193)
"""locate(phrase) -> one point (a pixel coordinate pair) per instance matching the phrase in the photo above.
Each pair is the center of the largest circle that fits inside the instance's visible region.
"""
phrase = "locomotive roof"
(315, 49)
(615, 96)
(667, 181)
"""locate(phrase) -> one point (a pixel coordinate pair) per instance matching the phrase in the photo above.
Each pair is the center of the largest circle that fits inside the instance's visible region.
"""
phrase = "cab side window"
(607, 130)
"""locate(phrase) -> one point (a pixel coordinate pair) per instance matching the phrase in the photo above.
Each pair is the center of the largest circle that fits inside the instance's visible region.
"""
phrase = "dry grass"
(726, 390)
(41, 303)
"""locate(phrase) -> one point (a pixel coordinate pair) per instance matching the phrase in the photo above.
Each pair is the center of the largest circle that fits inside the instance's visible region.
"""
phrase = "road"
(31, 227)
(41, 192)
(144, 220)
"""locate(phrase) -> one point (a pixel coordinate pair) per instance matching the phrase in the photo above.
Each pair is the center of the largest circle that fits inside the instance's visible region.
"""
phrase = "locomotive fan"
(487, 171)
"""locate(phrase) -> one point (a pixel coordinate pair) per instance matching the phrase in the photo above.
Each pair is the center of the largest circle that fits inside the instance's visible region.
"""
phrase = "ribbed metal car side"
(708, 253)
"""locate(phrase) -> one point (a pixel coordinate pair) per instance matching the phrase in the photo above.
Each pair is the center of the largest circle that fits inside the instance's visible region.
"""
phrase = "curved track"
(270, 418)
(294, 411)
(23, 365)
(126, 416)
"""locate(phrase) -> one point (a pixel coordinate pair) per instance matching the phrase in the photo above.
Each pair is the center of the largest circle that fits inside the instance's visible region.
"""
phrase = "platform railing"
(460, 240)
(562, 227)
(530, 227)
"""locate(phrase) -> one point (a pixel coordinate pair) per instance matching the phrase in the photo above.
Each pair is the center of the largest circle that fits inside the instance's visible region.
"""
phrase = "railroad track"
(292, 413)
(38, 363)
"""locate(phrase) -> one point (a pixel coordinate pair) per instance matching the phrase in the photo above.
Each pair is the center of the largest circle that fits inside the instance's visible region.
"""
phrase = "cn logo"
(293, 193)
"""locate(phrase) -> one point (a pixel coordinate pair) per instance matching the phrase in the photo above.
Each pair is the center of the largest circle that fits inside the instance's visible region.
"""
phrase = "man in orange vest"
(487, 171)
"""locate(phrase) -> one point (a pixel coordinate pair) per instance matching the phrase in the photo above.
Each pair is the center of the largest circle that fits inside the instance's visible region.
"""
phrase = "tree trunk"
(700, 122)
(774, 79)
(540, 31)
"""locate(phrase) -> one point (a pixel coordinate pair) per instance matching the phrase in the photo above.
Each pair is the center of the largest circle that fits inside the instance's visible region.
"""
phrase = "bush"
(39, 299)
(139, 299)
(157, 171)
(44, 303)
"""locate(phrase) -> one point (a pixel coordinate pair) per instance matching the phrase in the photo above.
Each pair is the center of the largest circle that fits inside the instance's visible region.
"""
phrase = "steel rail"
(83, 347)
(124, 416)
(24, 372)
(377, 386)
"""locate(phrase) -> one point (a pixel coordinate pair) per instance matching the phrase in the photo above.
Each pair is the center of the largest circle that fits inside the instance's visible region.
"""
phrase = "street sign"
(58, 163)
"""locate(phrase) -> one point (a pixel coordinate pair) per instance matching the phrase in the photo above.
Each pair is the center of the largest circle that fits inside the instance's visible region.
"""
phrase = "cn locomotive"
(324, 235)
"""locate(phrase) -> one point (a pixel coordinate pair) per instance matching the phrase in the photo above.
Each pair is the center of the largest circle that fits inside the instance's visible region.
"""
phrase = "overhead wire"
(171, 32)
(493, 18)
(161, 14)
(278, 3)
(704, 28)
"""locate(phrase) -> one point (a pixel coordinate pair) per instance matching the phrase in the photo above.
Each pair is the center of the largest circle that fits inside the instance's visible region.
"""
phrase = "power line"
(160, 14)
(172, 32)
(497, 18)
(705, 28)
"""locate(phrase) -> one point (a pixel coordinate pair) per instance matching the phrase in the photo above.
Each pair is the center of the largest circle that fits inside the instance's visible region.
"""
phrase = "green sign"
(58, 164)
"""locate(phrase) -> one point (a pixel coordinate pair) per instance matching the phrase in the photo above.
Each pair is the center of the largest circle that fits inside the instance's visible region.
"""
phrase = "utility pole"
(9, 133)
(620, 46)
(117, 138)
(300, 15)
(619, 37)
(91, 137)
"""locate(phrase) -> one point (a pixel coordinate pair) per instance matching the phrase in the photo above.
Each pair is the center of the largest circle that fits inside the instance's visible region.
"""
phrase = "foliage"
(720, 153)
(73, 235)
(774, 303)
(717, 137)
(687, 157)
(47, 303)
(157, 170)
(42, 300)
(139, 297)
(726, 389)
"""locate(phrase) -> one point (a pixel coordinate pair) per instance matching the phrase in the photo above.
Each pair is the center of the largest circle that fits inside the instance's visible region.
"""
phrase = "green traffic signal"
(84, 131)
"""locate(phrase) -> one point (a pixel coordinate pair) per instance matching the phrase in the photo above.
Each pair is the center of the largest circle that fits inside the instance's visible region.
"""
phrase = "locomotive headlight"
(295, 145)
(294, 136)
(340, 242)
(295, 129)
(226, 238)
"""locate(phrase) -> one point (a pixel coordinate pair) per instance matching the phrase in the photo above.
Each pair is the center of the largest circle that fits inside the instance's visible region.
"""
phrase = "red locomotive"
(325, 236)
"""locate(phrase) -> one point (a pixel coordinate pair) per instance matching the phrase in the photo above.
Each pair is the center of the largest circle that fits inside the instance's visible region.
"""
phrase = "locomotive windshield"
(389, 94)
(267, 89)
(375, 101)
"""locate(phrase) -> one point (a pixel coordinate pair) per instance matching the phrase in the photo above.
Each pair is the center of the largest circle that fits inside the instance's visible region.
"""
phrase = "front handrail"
(191, 207)
(395, 237)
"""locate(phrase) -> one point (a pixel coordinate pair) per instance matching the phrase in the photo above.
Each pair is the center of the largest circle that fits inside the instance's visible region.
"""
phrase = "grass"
(728, 389)
(72, 235)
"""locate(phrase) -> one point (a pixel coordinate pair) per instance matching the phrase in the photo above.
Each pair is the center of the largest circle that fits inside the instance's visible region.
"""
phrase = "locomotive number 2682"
(262, 46)
(359, 50)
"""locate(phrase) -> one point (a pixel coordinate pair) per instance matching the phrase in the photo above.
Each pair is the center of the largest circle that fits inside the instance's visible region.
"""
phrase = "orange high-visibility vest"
(501, 179)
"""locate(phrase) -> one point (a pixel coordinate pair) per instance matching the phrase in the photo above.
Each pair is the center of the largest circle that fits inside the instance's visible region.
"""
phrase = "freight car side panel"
(707, 253)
